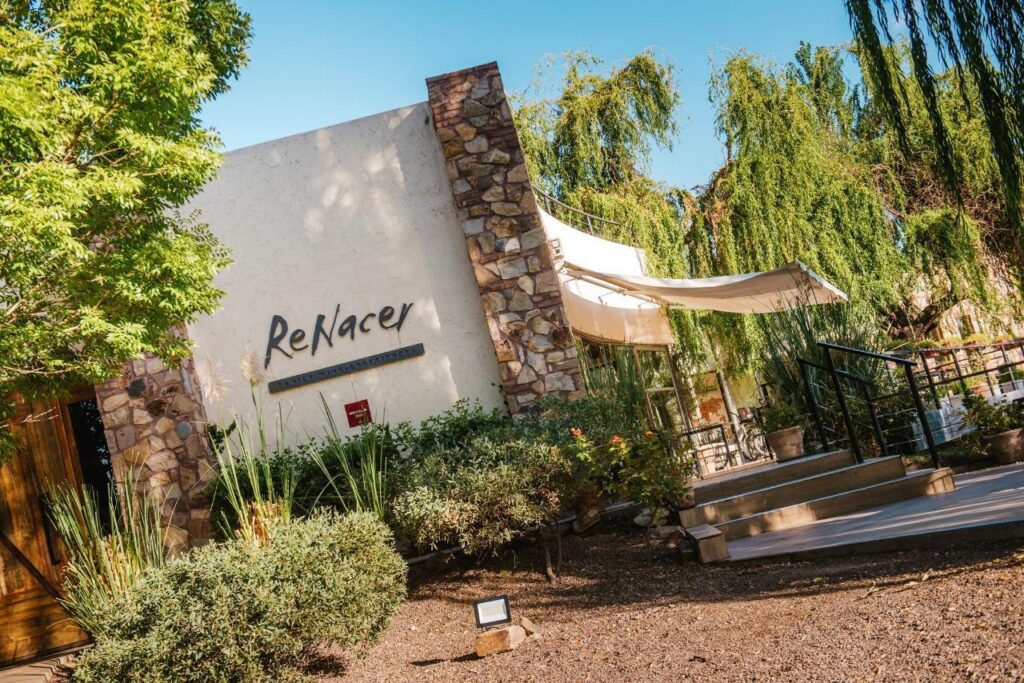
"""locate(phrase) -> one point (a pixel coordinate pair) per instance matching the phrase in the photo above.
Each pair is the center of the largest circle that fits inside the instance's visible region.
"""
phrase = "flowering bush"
(651, 468)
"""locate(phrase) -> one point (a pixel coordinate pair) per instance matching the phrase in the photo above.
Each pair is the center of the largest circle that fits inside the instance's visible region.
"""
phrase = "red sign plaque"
(358, 413)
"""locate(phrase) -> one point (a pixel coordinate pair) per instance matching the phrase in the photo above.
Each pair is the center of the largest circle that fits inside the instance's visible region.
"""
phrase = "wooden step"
(795, 491)
(710, 543)
(733, 483)
(919, 483)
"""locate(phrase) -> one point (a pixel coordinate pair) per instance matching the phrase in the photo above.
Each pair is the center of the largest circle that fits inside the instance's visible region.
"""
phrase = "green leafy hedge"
(236, 611)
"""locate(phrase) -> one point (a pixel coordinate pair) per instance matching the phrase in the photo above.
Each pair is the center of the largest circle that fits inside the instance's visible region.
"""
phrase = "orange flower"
(616, 439)
(576, 431)
(648, 435)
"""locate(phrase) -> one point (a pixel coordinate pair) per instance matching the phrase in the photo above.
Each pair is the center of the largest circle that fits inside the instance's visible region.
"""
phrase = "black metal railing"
(904, 402)
(870, 398)
(581, 220)
(717, 447)
(707, 444)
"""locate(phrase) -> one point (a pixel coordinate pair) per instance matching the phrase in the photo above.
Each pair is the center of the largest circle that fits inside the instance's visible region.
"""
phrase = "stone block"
(531, 629)
(493, 193)
(137, 454)
(533, 238)
(500, 640)
(161, 461)
(559, 381)
(495, 156)
(495, 302)
(512, 269)
(547, 282)
(506, 208)
(477, 145)
(521, 301)
(473, 108)
(114, 402)
(120, 417)
(526, 376)
(503, 227)
(124, 437)
(518, 174)
(508, 246)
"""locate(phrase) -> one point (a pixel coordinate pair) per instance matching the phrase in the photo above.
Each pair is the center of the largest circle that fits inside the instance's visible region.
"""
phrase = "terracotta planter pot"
(786, 443)
(1006, 446)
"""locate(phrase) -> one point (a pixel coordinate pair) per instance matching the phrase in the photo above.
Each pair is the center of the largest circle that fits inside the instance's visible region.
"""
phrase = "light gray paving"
(985, 498)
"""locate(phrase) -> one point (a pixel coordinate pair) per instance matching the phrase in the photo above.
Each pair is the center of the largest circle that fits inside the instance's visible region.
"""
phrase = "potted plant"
(783, 426)
(929, 348)
(1000, 426)
(978, 386)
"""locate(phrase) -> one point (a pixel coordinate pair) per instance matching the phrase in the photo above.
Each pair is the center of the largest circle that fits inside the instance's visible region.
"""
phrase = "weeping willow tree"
(588, 135)
(979, 43)
(814, 171)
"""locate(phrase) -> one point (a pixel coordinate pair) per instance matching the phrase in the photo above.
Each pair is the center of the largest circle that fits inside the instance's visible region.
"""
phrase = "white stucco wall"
(359, 214)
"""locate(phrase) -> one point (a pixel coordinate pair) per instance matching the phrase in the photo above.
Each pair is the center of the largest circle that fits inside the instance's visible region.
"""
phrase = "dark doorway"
(93, 453)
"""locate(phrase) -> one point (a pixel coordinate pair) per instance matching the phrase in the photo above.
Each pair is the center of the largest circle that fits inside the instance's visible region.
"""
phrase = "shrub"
(238, 611)
(485, 485)
(482, 496)
(992, 418)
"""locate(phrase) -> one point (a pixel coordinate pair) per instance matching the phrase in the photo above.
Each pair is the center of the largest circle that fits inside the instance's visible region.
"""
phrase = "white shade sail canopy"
(791, 286)
(608, 294)
(596, 310)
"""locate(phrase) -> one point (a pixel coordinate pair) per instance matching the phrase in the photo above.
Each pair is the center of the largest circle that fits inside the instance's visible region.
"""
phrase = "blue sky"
(316, 63)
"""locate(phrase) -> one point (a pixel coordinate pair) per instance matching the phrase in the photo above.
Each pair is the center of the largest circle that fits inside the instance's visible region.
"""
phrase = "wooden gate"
(32, 622)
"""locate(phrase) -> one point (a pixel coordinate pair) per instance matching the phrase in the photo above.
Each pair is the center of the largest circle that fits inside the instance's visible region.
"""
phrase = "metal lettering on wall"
(346, 368)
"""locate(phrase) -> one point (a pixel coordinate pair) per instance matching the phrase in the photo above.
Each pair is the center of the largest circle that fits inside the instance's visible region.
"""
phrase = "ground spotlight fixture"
(492, 611)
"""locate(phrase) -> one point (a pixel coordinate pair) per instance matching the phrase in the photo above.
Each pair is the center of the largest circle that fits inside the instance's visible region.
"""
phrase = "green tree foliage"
(979, 43)
(813, 172)
(99, 141)
(588, 143)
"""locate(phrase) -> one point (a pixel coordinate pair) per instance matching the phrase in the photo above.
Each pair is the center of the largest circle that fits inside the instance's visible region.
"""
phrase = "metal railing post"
(818, 423)
(865, 391)
(928, 376)
(959, 371)
(922, 415)
(847, 419)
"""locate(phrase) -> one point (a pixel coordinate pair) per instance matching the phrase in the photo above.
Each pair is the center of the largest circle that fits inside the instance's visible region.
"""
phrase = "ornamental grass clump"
(240, 612)
(108, 553)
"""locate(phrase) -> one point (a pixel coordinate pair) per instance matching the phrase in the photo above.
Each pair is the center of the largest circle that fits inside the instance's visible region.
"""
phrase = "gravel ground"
(623, 613)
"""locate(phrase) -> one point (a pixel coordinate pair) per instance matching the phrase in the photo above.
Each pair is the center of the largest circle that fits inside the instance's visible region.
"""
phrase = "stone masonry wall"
(155, 424)
(504, 236)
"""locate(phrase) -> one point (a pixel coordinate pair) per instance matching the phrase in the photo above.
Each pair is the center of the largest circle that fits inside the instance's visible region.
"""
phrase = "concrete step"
(794, 491)
(919, 483)
(751, 478)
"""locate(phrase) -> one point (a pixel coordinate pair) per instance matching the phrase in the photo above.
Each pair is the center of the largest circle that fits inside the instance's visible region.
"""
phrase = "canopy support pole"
(730, 407)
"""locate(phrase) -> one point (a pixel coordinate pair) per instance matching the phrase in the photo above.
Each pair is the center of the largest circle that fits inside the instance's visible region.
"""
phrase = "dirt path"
(620, 614)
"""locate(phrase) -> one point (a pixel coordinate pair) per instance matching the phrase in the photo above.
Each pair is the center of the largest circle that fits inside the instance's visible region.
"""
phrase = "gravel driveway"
(623, 613)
